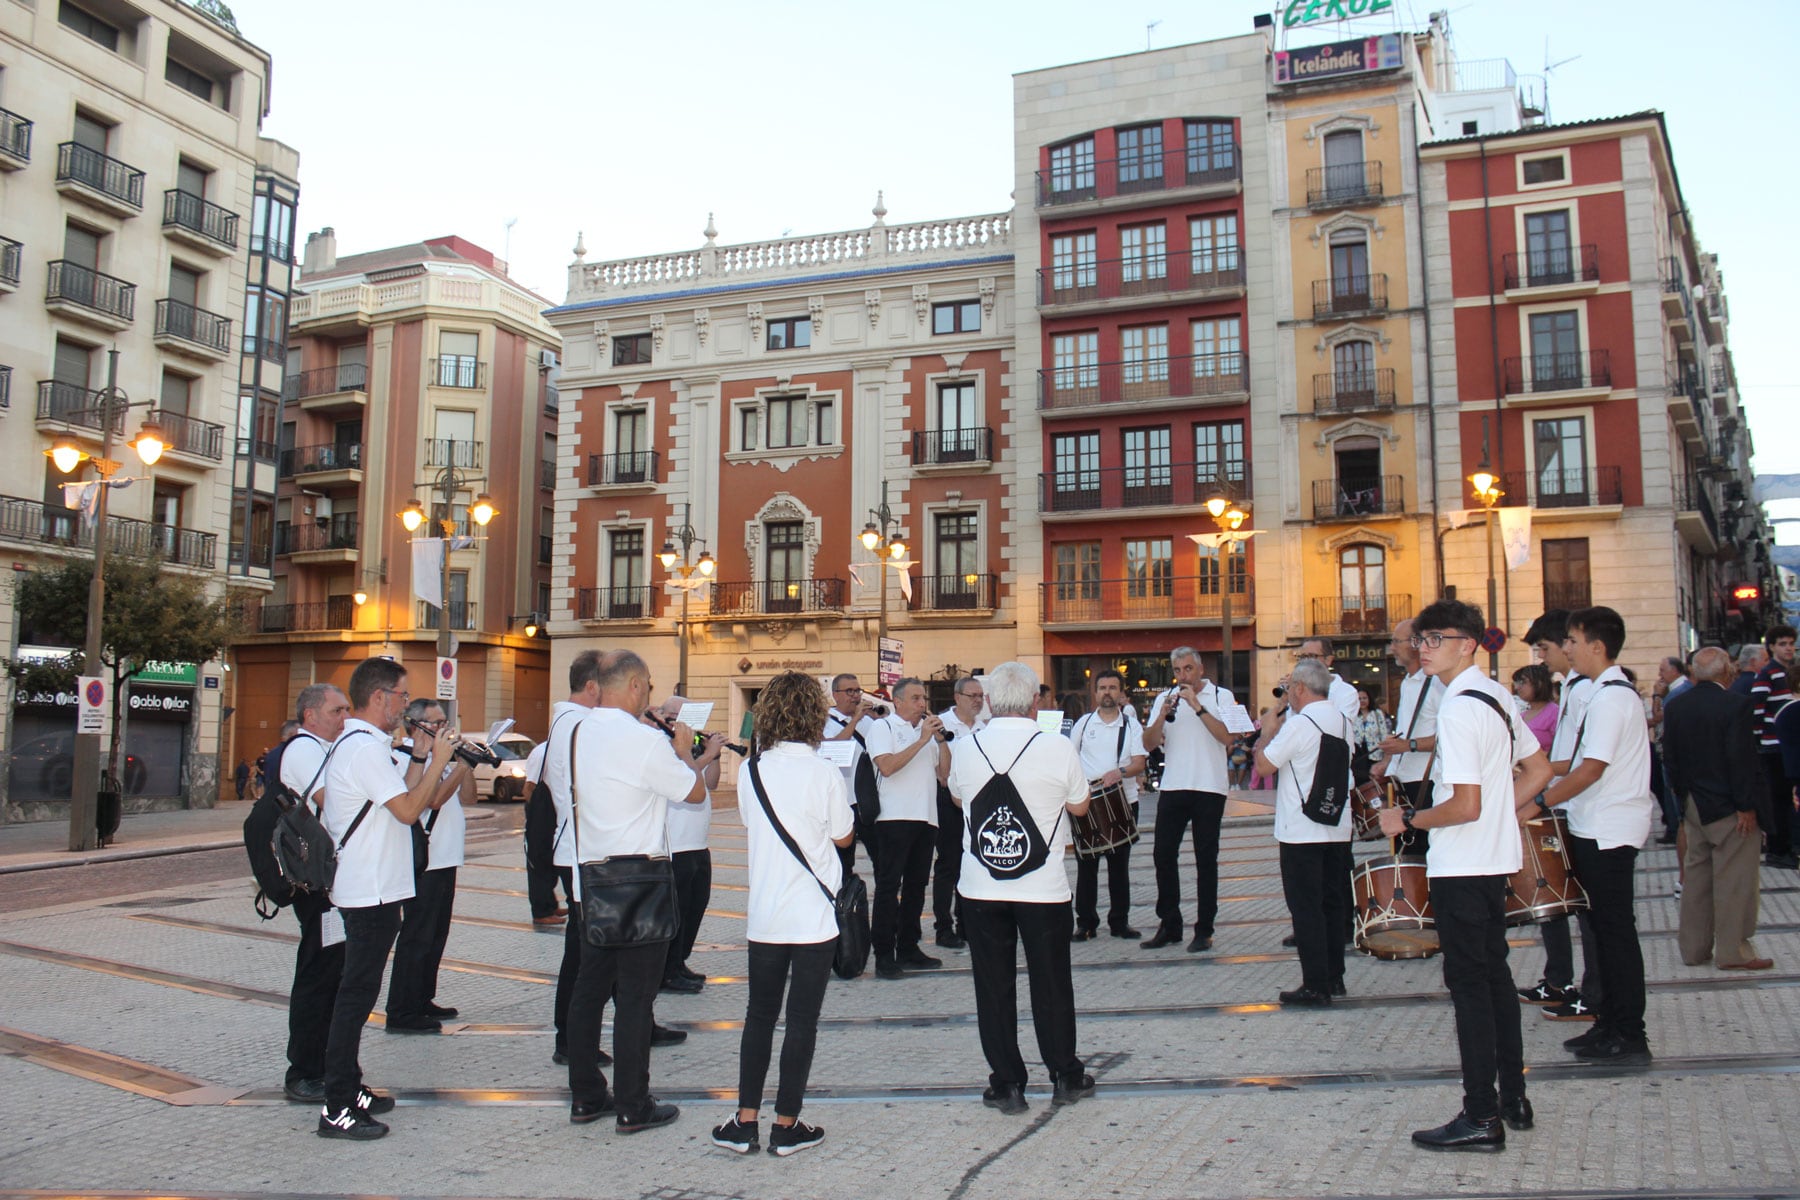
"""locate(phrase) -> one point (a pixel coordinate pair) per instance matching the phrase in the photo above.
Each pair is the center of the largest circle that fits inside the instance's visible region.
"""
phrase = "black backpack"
(1002, 834)
(290, 852)
(1330, 792)
(542, 833)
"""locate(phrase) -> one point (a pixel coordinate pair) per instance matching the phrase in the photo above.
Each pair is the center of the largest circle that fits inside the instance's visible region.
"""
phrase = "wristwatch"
(417, 759)
(1412, 744)
(1406, 816)
(1542, 803)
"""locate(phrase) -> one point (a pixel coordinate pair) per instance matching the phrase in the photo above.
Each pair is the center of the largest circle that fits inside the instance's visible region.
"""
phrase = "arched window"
(1362, 588)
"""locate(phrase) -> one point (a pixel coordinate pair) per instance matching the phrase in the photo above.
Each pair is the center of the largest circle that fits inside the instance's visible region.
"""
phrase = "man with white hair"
(1752, 658)
(1187, 721)
(1343, 695)
(1017, 788)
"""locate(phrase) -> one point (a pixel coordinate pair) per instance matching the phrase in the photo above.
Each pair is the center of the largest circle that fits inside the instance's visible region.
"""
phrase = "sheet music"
(1050, 720)
(1236, 718)
(695, 713)
(840, 754)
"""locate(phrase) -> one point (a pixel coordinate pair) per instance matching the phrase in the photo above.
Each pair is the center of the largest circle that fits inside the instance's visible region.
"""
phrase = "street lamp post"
(1229, 516)
(110, 402)
(448, 484)
(1485, 483)
(888, 550)
(684, 568)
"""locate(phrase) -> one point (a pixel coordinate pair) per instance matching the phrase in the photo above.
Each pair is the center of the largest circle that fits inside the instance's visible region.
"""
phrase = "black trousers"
(1315, 878)
(946, 905)
(1608, 878)
(1559, 957)
(1780, 826)
(368, 936)
(424, 929)
(772, 965)
(693, 892)
(540, 885)
(1174, 812)
(1415, 842)
(901, 871)
(1118, 889)
(1470, 911)
(317, 970)
(995, 929)
(629, 975)
(571, 961)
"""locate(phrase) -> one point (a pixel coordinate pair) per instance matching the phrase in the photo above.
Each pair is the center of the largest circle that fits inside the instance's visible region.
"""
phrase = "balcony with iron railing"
(1555, 267)
(636, 603)
(629, 468)
(1358, 499)
(1102, 490)
(1696, 518)
(1206, 168)
(1351, 391)
(54, 525)
(1151, 382)
(1349, 296)
(1117, 282)
(444, 452)
(1558, 487)
(339, 612)
(458, 371)
(1569, 595)
(1150, 600)
(547, 474)
(308, 536)
(952, 447)
(12, 258)
(15, 140)
(329, 458)
(462, 615)
(1359, 616)
(70, 404)
(954, 593)
(183, 328)
(191, 436)
(1572, 371)
(345, 385)
(1343, 184)
(104, 182)
(778, 596)
(1689, 402)
(88, 295)
(546, 546)
(199, 222)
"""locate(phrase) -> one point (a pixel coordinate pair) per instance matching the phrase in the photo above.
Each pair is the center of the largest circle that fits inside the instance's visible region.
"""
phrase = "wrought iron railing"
(458, 371)
(1347, 391)
(443, 452)
(779, 596)
(1165, 378)
(1084, 282)
(73, 404)
(615, 603)
(1148, 597)
(1559, 372)
(53, 524)
(462, 615)
(1551, 267)
(942, 447)
(76, 163)
(1347, 294)
(339, 612)
(1349, 499)
(332, 456)
(175, 318)
(1558, 487)
(201, 216)
(1147, 486)
(190, 435)
(631, 466)
(1359, 616)
(1154, 171)
(81, 285)
(12, 255)
(948, 593)
(326, 381)
(1343, 183)
(337, 532)
(547, 474)
(15, 135)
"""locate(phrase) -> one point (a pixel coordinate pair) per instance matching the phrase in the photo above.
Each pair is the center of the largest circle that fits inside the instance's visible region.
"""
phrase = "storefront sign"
(62, 699)
(45, 654)
(172, 703)
(91, 718)
(1337, 58)
(789, 664)
(1314, 12)
(177, 674)
(893, 656)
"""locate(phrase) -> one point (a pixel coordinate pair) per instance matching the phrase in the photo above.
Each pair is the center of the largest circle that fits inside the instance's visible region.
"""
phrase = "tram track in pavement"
(679, 1193)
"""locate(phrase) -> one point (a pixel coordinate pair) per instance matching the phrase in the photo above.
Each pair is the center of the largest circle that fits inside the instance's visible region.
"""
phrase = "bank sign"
(1338, 58)
(1314, 12)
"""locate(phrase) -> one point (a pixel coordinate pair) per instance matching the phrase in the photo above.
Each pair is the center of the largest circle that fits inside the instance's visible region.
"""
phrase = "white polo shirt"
(448, 832)
(1575, 692)
(954, 724)
(553, 770)
(1616, 809)
(1048, 775)
(1343, 697)
(1193, 760)
(690, 825)
(1473, 747)
(1295, 750)
(808, 794)
(1101, 750)
(300, 763)
(1409, 765)
(626, 773)
(375, 866)
(909, 794)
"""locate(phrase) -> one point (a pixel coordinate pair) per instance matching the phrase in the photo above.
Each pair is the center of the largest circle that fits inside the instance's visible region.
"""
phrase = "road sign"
(893, 653)
(1494, 640)
(91, 717)
(446, 679)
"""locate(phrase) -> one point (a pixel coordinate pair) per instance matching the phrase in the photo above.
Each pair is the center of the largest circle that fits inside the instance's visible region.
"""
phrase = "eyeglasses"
(400, 692)
(849, 691)
(1436, 640)
(1309, 657)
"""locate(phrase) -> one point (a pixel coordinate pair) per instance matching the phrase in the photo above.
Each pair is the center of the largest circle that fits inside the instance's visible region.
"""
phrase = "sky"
(630, 123)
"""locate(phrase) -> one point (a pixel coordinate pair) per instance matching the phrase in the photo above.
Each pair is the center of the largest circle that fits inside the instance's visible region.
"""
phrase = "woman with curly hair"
(792, 924)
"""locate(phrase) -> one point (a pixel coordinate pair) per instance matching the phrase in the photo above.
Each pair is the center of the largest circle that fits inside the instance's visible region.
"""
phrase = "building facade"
(410, 373)
(137, 201)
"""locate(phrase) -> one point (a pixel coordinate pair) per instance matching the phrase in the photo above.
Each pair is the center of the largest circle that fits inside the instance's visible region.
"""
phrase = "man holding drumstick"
(1111, 745)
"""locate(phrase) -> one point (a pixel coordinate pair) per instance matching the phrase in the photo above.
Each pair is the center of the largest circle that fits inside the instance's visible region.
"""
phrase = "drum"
(1107, 824)
(1366, 801)
(1393, 909)
(1544, 887)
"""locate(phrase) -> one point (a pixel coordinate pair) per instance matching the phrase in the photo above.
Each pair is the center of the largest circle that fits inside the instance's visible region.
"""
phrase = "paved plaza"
(143, 1052)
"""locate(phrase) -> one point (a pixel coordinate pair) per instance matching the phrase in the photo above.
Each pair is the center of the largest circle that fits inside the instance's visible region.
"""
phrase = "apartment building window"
(272, 228)
(1214, 244)
(958, 555)
(191, 178)
(184, 285)
(824, 423)
(1143, 252)
(958, 316)
(167, 501)
(90, 133)
(1560, 450)
(1211, 149)
(1350, 271)
(1072, 262)
(631, 430)
(458, 364)
(1362, 587)
(630, 350)
(265, 323)
(625, 573)
(175, 395)
(189, 80)
(259, 426)
(89, 26)
(1072, 169)
(1149, 567)
(1555, 350)
(1147, 471)
(1077, 571)
(1549, 254)
(1345, 176)
(1353, 372)
(1218, 348)
(1140, 157)
(1144, 350)
(82, 246)
(785, 563)
(1075, 460)
(74, 364)
(790, 333)
(1219, 453)
(1075, 361)
(1539, 171)
(787, 422)
(749, 422)
(1567, 583)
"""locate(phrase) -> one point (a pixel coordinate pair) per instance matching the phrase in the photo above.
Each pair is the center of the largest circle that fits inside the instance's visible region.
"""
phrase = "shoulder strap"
(1581, 729)
(1495, 705)
(1419, 706)
(326, 762)
(367, 804)
(548, 738)
(574, 815)
(787, 839)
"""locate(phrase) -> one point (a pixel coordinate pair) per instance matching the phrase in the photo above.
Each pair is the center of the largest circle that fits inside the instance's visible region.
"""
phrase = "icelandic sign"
(1314, 12)
(1337, 58)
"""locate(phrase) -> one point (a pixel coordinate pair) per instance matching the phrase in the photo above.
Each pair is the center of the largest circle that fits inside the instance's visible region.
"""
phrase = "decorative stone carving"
(1352, 333)
(775, 631)
(1329, 547)
(872, 302)
(922, 301)
(1354, 428)
(986, 284)
(782, 506)
(953, 364)
(656, 331)
(755, 312)
(600, 334)
(702, 319)
(815, 308)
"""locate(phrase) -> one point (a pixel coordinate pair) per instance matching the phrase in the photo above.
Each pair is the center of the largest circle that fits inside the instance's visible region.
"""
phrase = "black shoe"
(1162, 937)
(1665, 839)
(662, 1035)
(440, 1011)
(1576, 1009)
(1516, 1113)
(916, 959)
(887, 968)
(350, 1122)
(583, 1114)
(652, 1115)
(1198, 944)
(1546, 992)
(561, 1058)
(1464, 1134)
(736, 1136)
(791, 1139)
(1620, 1051)
(1125, 931)
(687, 972)
(373, 1103)
(1083, 934)
(947, 941)
(1585, 1039)
(1008, 1098)
(1787, 861)
(304, 1091)
(1307, 997)
(414, 1025)
(1336, 989)
(1290, 941)
(682, 985)
(1071, 1088)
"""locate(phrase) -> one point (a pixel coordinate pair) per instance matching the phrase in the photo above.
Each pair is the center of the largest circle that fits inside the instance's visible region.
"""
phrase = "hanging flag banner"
(446, 679)
(1515, 534)
(428, 570)
(91, 717)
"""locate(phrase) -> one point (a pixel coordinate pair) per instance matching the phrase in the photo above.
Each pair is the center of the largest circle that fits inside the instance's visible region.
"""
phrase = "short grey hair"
(1750, 655)
(311, 697)
(415, 710)
(900, 685)
(1180, 653)
(1314, 676)
(1012, 689)
(1712, 665)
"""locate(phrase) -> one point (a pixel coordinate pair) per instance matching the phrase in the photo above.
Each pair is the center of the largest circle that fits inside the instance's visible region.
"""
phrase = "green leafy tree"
(150, 615)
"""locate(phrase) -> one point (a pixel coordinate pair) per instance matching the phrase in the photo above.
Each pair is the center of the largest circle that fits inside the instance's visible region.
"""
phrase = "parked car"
(506, 782)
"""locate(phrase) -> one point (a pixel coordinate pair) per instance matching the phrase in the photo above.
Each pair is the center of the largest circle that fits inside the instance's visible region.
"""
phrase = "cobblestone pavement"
(141, 1054)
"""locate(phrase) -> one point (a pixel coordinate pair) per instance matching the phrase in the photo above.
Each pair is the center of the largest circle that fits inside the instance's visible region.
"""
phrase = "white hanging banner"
(1456, 518)
(1515, 534)
(428, 570)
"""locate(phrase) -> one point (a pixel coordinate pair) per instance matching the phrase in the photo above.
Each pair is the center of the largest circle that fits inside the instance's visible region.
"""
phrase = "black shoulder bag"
(542, 833)
(850, 905)
(1324, 802)
(627, 899)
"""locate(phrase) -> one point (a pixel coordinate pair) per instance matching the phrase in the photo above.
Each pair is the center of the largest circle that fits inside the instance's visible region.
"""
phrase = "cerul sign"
(1313, 12)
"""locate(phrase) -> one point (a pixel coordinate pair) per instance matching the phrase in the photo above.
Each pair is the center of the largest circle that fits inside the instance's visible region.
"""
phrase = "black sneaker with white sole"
(373, 1103)
(737, 1137)
(350, 1122)
(791, 1139)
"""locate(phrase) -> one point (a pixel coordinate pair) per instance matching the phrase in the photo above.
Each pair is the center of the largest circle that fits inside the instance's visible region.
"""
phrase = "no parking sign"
(446, 679)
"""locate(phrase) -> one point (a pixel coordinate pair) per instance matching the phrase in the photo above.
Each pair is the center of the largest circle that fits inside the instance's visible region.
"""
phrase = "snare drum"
(1366, 802)
(1544, 887)
(1393, 909)
(1107, 824)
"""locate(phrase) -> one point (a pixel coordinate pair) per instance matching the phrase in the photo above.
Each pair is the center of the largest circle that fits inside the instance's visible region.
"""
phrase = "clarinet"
(668, 728)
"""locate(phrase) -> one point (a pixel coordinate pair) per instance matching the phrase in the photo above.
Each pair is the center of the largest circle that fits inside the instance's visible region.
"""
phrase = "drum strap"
(1581, 729)
(1419, 707)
